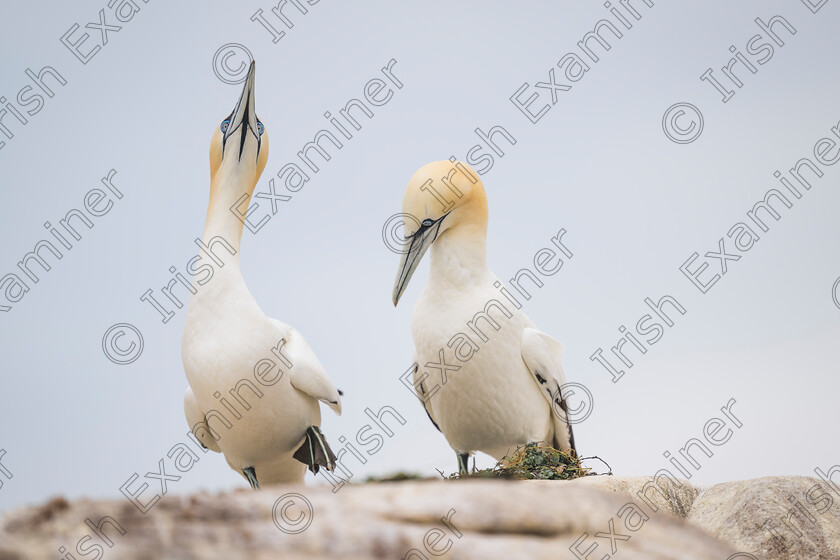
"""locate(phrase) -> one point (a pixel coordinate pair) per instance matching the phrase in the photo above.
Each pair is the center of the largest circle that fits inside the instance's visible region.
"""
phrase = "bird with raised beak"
(254, 383)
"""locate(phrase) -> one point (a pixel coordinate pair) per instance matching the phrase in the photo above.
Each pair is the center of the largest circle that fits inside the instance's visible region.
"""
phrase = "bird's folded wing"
(198, 422)
(542, 355)
(307, 374)
(423, 394)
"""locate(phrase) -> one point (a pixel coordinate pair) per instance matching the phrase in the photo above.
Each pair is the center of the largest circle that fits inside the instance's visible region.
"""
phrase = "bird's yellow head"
(239, 146)
(441, 197)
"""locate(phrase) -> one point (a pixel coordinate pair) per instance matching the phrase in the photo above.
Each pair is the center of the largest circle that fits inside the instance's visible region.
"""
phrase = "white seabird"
(254, 382)
(500, 386)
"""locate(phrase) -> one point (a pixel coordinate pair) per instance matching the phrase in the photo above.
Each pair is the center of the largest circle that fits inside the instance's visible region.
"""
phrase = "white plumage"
(505, 392)
(255, 384)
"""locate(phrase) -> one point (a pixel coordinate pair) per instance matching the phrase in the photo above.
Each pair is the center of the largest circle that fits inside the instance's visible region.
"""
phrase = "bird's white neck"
(223, 223)
(459, 257)
(227, 206)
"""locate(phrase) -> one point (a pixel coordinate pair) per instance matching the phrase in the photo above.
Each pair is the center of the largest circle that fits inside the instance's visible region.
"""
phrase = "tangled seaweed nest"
(535, 462)
(532, 462)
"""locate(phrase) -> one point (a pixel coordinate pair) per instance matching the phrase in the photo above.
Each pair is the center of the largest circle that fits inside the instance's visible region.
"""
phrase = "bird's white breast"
(226, 339)
(491, 402)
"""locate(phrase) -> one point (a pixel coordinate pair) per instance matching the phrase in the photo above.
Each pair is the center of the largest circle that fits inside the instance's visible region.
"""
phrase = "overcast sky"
(635, 205)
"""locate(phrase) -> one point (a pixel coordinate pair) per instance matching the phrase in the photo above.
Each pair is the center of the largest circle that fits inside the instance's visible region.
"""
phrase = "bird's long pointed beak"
(243, 119)
(415, 247)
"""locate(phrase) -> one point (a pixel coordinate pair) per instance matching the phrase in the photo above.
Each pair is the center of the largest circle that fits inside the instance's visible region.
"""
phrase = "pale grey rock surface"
(742, 513)
(676, 495)
(488, 519)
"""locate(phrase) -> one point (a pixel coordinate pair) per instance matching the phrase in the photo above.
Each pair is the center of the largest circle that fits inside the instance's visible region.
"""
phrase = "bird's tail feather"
(315, 451)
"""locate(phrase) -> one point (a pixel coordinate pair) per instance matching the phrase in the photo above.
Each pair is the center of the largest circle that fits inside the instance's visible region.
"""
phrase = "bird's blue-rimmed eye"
(260, 128)
(225, 125)
(427, 222)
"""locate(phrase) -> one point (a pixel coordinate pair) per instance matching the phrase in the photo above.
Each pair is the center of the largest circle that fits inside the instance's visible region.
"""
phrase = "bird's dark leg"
(251, 475)
(315, 451)
(463, 462)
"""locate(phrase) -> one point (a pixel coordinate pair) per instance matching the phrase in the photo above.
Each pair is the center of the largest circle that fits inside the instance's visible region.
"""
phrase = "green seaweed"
(534, 462)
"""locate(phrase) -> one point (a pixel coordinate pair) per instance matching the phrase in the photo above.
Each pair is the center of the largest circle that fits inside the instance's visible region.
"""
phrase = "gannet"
(271, 434)
(485, 388)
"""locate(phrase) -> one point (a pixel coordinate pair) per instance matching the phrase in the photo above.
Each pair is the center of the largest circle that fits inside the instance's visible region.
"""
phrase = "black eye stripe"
(425, 225)
(227, 132)
(429, 223)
